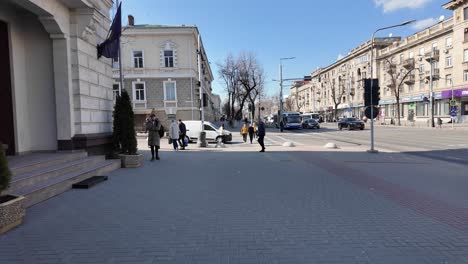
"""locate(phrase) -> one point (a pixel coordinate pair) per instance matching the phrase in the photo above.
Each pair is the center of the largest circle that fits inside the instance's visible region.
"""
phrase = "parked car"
(310, 123)
(211, 130)
(350, 123)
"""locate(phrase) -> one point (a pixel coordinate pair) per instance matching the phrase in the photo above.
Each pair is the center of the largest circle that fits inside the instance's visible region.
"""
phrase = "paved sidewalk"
(232, 206)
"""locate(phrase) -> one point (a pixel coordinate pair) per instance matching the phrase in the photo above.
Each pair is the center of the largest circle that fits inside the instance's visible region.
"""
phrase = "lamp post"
(372, 149)
(280, 116)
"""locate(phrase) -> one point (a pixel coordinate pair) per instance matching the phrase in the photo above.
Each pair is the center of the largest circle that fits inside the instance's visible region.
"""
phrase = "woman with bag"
(174, 134)
(153, 127)
(244, 132)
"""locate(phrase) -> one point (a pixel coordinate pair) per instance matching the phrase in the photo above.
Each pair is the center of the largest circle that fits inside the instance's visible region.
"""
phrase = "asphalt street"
(442, 144)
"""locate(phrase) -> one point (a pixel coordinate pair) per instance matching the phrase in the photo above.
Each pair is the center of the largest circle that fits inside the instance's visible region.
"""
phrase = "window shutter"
(174, 53)
(161, 58)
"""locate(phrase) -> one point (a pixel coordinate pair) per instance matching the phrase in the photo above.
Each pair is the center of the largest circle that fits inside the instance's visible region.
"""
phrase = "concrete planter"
(131, 161)
(12, 212)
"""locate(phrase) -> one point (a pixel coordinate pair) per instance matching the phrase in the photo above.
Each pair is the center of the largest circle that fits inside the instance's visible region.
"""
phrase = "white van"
(211, 130)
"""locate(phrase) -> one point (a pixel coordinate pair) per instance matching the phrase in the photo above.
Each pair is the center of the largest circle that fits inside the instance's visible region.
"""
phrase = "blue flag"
(110, 47)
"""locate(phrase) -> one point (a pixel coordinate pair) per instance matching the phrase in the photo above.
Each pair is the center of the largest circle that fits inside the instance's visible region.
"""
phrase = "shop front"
(461, 98)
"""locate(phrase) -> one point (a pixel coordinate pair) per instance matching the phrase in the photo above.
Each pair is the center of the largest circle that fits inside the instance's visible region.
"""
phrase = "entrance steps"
(40, 176)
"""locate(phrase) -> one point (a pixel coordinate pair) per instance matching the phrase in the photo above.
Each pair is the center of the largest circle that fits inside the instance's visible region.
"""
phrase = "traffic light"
(367, 93)
(375, 92)
(371, 98)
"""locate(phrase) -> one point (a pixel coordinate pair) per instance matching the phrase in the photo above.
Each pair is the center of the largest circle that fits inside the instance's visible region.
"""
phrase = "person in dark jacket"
(153, 126)
(251, 132)
(183, 132)
(261, 135)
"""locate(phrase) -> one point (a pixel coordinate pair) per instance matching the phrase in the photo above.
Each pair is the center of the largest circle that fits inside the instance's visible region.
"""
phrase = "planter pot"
(131, 161)
(12, 211)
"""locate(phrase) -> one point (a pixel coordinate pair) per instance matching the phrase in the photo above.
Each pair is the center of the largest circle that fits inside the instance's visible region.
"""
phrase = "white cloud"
(392, 5)
(422, 24)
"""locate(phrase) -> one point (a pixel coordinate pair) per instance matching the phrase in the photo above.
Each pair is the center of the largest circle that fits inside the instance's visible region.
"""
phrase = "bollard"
(201, 142)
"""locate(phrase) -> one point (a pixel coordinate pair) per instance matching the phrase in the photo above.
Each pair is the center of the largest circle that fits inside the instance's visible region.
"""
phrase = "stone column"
(63, 90)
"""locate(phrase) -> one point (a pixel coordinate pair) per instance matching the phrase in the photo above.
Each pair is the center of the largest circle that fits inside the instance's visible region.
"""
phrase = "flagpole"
(120, 58)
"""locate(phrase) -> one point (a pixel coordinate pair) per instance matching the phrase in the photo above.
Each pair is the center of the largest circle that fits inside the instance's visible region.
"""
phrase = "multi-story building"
(403, 67)
(160, 72)
(55, 94)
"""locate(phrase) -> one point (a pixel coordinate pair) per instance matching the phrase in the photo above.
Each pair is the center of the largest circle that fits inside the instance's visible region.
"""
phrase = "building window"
(421, 51)
(402, 58)
(139, 92)
(465, 55)
(434, 46)
(422, 85)
(115, 90)
(410, 88)
(411, 55)
(170, 91)
(138, 59)
(448, 42)
(115, 63)
(465, 75)
(466, 35)
(420, 109)
(465, 13)
(448, 79)
(448, 61)
(421, 68)
(168, 58)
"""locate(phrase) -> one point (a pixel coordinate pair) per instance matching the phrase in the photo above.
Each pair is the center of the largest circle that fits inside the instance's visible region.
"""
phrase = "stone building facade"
(160, 72)
(398, 61)
(55, 93)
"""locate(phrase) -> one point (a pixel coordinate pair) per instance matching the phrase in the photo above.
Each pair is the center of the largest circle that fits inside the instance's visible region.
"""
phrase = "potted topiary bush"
(12, 208)
(124, 136)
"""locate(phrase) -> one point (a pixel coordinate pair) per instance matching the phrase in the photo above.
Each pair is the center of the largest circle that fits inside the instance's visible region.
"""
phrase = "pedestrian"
(255, 130)
(244, 132)
(174, 134)
(261, 135)
(439, 122)
(153, 127)
(281, 126)
(251, 132)
(221, 133)
(182, 135)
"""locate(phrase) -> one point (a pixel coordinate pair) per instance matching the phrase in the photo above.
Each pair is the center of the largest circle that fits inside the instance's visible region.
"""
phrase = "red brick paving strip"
(424, 204)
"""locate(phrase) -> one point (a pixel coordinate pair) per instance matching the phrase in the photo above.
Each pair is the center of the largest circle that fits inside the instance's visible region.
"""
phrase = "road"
(442, 144)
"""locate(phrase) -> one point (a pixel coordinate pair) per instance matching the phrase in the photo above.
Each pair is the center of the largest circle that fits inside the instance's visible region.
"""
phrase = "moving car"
(310, 123)
(212, 131)
(350, 123)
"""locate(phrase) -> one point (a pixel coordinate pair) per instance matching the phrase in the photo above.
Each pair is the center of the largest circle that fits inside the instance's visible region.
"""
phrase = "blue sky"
(315, 32)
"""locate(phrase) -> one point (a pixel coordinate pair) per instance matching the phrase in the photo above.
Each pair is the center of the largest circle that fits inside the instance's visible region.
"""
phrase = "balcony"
(390, 68)
(410, 79)
(389, 83)
(435, 74)
(433, 55)
(408, 64)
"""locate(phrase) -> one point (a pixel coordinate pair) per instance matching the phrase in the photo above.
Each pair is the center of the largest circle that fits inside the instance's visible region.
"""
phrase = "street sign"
(368, 112)
(453, 111)
(453, 102)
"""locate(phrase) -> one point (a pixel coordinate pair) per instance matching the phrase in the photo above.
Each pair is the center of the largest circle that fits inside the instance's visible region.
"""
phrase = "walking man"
(153, 126)
(261, 135)
(183, 132)
(251, 132)
(174, 134)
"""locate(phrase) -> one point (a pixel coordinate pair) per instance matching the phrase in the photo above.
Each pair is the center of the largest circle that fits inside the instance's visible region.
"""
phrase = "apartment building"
(402, 65)
(160, 72)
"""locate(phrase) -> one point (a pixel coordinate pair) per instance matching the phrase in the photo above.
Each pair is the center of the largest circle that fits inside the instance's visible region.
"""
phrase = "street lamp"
(280, 116)
(372, 149)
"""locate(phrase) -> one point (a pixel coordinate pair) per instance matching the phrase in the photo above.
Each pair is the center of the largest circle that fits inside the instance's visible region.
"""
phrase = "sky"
(315, 32)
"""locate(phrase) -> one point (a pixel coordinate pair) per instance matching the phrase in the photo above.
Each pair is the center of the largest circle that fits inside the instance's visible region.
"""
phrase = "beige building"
(54, 92)
(160, 71)
(403, 63)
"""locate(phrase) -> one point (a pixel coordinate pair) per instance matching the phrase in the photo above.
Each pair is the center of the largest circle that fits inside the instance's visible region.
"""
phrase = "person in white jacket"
(174, 134)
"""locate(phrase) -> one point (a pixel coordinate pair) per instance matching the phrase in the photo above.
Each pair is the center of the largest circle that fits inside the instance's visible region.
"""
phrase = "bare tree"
(397, 79)
(337, 92)
(289, 104)
(229, 73)
(251, 78)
